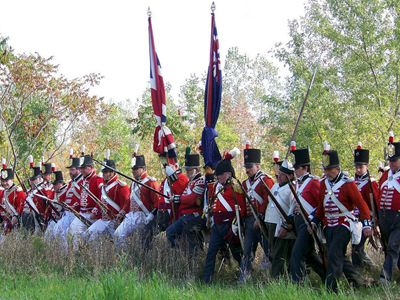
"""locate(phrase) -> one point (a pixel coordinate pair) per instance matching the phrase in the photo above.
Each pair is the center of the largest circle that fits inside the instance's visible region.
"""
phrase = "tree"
(40, 108)
(355, 95)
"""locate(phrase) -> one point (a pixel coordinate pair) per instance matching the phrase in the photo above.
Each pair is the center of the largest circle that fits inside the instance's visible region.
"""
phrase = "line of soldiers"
(286, 217)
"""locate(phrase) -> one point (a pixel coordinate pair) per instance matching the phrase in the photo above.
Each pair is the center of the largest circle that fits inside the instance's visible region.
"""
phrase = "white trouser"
(77, 228)
(133, 222)
(99, 227)
(61, 228)
(49, 233)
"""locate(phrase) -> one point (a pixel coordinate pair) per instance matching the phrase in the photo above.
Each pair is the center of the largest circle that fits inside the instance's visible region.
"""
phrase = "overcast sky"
(111, 37)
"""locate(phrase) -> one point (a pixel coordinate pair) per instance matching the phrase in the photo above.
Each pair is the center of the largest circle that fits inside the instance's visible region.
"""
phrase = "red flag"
(163, 140)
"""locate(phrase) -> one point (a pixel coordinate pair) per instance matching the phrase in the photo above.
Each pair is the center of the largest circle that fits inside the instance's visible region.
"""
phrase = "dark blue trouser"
(304, 252)
(390, 226)
(337, 239)
(175, 230)
(193, 234)
(218, 232)
(251, 239)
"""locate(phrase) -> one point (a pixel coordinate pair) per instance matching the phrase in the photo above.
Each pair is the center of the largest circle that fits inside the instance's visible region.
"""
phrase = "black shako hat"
(46, 169)
(192, 161)
(223, 166)
(108, 163)
(86, 160)
(7, 174)
(301, 157)
(138, 162)
(330, 159)
(252, 157)
(361, 157)
(58, 177)
(35, 173)
(74, 162)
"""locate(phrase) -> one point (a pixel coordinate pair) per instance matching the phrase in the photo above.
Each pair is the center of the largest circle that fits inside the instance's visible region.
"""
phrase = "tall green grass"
(34, 269)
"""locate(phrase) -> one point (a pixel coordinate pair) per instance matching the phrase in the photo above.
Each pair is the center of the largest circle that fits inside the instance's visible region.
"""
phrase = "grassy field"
(34, 269)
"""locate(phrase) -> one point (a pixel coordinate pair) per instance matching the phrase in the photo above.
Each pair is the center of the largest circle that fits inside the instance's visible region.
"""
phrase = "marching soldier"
(259, 198)
(12, 199)
(140, 207)
(228, 204)
(87, 206)
(60, 189)
(364, 183)
(307, 189)
(337, 198)
(281, 237)
(36, 206)
(389, 207)
(166, 212)
(72, 196)
(114, 195)
(190, 202)
(47, 170)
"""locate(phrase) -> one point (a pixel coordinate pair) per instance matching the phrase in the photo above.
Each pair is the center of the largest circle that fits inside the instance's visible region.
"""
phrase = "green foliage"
(355, 93)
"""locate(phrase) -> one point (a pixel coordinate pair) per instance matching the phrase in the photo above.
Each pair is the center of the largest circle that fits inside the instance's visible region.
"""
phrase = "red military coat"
(223, 207)
(142, 198)
(192, 197)
(94, 183)
(308, 192)
(178, 187)
(389, 191)
(257, 193)
(114, 194)
(73, 193)
(364, 188)
(346, 191)
(15, 198)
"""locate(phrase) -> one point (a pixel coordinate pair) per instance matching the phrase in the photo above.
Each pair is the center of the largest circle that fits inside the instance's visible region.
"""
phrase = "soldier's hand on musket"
(235, 227)
(14, 220)
(313, 227)
(282, 232)
(92, 216)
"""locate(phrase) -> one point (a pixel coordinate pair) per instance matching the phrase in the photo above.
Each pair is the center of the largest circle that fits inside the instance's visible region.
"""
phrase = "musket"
(261, 223)
(209, 206)
(131, 179)
(225, 254)
(77, 215)
(237, 214)
(304, 104)
(23, 186)
(307, 221)
(38, 217)
(98, 201)
(375, 220)
(50, 203)
(8, 215)
(172, 202)
(52, 206)
(278, 206)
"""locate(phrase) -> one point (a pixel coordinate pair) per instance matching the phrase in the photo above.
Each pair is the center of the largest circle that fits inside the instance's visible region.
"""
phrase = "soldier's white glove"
(149, 217)
(169, 171)
(235, 227)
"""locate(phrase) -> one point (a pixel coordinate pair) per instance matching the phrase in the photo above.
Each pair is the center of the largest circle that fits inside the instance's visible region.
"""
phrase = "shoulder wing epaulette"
(372, 179)
(348, 179)
(121, 183)
(19, 189)
(152, 178)
(316, 177)
(237, 189)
